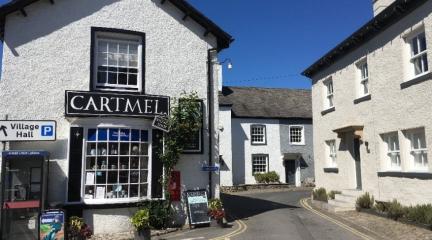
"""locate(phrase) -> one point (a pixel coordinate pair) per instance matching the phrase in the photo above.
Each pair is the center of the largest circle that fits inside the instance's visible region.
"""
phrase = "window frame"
(363, 76)
(200, 150)
(331, 156)
(387, 151)
(419, 56)
(328, 95)
(409, 134)
(266, 162)
(264, 142)
(302, 134)
(149, 165)
(117, 33)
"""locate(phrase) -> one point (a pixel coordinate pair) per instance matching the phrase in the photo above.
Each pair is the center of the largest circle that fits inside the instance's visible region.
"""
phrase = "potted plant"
(141, 222)
(78, 229)
(216, 211)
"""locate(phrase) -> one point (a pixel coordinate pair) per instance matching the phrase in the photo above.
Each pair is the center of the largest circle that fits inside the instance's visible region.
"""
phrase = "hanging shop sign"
(26, 130)
(197, 205)
(161, 123)
(80, 103)
(51, 225)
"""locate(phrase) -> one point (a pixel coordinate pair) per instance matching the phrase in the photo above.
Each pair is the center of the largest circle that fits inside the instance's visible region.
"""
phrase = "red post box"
(174, 186)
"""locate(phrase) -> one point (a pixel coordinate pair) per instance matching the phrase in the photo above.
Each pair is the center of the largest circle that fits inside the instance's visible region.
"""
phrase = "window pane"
(122, 78)
(102, 134)
(133, 49)
(425, 63)
(112, 78)
(123, 48)
(133, 80)
(113, 47)
(102, 77)
(102, 46)
(113, 134)
(91, 134)
(133, 191)
(422, 41)
(414, 46)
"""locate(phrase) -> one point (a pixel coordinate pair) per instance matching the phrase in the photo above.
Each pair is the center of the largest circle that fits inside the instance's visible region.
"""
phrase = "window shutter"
(75, 164)
(157, 166)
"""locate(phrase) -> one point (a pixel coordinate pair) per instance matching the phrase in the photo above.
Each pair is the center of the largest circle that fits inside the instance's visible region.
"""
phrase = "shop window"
(117, 61)
(392, 150)
(116, 164)
(259, 163)
(296, 135)
(258, 134)
(331, 153)
(418, 149)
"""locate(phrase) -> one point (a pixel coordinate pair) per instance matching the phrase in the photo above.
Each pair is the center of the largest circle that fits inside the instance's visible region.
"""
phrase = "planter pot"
(217, 223)
(143, 234)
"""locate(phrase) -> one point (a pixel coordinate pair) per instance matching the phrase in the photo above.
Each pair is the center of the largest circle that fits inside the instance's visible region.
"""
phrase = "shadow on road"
(239, 207)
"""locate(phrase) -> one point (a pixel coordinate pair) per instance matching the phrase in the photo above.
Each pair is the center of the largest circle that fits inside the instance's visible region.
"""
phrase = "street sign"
(161, 123)
(27, 130)
(207, 168)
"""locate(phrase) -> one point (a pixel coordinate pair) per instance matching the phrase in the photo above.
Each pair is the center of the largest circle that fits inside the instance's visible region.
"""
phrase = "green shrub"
(141, 219)
(381, 206)
(320, 194)
(365, 201)
(160, 213)
(269, 177)
(420, 213)
(332, 194)
(395, 210)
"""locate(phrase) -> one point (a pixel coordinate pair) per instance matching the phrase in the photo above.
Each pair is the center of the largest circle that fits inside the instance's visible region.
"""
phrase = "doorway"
(357, 160)
(290, 172)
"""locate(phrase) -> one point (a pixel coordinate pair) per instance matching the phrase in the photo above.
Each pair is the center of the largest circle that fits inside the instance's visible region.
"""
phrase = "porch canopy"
(357, 131)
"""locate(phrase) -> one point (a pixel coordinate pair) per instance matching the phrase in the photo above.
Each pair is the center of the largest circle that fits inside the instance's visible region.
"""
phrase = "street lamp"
(227, 60)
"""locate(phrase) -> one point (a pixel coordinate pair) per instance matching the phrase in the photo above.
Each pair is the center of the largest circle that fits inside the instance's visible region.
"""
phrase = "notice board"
(197, 204)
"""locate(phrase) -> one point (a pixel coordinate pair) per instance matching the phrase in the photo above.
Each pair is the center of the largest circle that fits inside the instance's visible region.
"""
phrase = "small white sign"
(27, 130)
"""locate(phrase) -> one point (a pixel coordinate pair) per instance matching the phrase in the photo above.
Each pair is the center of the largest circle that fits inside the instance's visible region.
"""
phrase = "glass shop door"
(23, 193)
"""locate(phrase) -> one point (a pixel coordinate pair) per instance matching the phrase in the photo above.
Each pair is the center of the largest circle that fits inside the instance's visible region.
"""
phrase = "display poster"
(52, 224)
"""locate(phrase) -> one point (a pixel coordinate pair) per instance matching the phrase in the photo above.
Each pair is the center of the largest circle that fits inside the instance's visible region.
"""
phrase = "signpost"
(197, 204)
(27, 130)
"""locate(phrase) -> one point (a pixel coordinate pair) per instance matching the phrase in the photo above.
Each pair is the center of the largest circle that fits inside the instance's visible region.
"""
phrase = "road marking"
(340, 224)
(195, 238)
(242, 228)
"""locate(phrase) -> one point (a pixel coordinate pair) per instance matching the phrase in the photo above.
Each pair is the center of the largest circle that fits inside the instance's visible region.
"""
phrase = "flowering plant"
(216, 210)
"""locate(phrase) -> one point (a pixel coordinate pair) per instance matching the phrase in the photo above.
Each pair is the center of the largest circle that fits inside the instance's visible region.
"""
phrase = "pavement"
(271, 215)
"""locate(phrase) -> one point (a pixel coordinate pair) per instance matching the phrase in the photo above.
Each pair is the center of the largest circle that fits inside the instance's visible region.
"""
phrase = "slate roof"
(385, 19)
(252, 102)
(223, 38)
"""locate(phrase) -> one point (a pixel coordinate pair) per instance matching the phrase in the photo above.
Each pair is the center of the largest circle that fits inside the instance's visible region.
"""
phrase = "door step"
(344, 201)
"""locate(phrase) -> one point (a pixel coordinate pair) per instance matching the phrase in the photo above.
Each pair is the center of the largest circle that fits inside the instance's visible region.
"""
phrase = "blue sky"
(275, 40)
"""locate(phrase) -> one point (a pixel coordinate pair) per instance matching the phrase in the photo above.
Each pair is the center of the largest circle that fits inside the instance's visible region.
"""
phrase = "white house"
(371, 108)
(262, 130)
(103, 69)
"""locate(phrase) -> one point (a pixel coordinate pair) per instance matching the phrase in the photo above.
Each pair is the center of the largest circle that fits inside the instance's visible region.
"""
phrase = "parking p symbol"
(47, 130)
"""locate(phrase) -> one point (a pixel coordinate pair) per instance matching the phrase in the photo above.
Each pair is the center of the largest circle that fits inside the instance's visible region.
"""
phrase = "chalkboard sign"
(197, 204)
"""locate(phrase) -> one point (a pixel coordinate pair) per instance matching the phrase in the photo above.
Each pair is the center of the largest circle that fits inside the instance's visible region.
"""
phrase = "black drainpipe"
(210, 112)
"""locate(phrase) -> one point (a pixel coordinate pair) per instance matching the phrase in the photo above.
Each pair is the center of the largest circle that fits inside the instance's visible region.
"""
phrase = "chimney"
(380, 5)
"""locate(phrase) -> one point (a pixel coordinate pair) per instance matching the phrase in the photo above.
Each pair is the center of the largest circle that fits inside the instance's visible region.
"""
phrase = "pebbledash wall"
(48, 52)
(398, 102)
(235, 141)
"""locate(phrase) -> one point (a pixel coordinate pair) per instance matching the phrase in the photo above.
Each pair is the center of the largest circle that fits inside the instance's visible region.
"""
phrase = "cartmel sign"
(27, 130)
(79, 103)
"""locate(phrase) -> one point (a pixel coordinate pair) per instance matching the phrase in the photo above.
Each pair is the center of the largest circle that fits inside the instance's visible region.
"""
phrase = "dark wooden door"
(290, 170)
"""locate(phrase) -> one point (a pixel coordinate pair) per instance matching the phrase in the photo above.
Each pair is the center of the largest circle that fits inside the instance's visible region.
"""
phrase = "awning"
(291, 156)
(357, 130)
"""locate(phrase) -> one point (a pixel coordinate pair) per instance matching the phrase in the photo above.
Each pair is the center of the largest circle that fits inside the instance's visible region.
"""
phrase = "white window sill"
(297, 144)
(114, 200)
(417, 79)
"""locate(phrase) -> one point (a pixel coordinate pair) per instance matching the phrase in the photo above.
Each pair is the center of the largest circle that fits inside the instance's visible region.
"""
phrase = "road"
(269, 215)
(278, 215)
